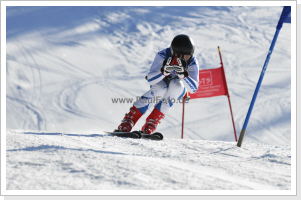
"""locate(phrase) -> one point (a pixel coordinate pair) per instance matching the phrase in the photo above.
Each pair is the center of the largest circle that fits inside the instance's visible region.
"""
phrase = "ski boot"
(152, 121)
(129, 120)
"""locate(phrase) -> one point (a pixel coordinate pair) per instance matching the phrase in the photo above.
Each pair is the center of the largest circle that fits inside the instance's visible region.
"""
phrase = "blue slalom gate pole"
(285, 12)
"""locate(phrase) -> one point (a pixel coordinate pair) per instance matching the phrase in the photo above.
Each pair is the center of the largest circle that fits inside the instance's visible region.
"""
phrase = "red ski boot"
(152, 121)
(129, 120)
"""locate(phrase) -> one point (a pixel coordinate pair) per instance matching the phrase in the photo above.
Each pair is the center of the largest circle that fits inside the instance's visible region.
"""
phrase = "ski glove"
(167, 68)
(181, 72)
(173, 64)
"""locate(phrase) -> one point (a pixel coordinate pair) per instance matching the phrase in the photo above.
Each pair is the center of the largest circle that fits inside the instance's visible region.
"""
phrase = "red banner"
(212, 82)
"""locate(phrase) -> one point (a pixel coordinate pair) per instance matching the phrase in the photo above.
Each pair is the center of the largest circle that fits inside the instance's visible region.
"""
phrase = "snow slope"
(95, 161)
(66, 64)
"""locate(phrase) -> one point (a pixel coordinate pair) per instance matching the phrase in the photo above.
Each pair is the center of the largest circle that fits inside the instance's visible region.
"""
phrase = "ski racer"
(173, 72)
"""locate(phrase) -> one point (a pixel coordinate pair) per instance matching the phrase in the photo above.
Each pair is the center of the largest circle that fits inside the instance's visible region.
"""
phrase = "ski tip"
(159, 135)
(154, 136)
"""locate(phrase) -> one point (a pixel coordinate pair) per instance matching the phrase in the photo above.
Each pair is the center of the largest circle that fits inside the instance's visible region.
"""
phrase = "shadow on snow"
(57, 148)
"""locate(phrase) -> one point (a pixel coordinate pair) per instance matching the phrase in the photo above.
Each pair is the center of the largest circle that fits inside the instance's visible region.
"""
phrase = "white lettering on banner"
(206, 79)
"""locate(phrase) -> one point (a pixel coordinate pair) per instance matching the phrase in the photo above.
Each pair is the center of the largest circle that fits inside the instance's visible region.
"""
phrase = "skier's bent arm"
(155, 75)
(191, 82)
(154, 78)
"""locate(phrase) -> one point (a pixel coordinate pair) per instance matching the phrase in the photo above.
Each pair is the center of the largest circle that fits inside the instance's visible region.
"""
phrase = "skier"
(173, 71)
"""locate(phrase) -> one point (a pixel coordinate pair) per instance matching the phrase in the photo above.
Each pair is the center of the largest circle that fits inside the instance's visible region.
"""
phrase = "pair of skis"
(138, 135)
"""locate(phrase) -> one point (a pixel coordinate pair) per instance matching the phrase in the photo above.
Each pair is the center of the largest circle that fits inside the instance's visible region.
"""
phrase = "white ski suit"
(166, 90)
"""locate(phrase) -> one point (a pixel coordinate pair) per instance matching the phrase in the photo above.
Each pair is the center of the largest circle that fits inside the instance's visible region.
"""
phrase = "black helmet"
(182, 45)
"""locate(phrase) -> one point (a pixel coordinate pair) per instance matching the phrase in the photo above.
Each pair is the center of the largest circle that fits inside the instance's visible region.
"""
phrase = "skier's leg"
(175, 91)
(141, 106)
(152, 96)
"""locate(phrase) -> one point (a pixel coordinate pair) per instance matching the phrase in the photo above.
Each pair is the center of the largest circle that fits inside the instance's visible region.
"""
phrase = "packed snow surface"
(96, 161)
(66, 65)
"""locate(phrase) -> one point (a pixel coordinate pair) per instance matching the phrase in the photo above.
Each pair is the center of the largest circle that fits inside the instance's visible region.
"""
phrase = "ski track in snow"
(62, 76)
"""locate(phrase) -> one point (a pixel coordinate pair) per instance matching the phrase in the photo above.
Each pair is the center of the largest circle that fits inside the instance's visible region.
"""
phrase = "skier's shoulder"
(193, 62)
(164, 53)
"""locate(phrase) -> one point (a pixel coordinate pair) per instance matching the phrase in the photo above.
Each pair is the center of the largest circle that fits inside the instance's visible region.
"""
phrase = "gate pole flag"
(284, 18)
(212, 83)
(228, 95)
